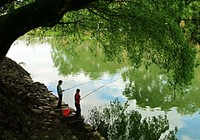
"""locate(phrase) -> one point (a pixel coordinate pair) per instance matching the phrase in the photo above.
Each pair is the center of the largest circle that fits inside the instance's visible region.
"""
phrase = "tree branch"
(5, 2)
(67, 23)
(33, 15)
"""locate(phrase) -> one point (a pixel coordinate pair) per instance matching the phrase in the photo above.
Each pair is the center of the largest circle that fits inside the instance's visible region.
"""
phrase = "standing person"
(77, 99)
(60, 93)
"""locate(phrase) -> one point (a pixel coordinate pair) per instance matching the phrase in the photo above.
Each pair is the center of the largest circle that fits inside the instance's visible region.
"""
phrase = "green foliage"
(116, 122)
(144, 32)
(13, 5)
(190, 21)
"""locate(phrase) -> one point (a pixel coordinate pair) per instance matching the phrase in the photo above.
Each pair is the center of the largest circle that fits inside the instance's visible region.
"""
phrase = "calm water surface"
(38, 62)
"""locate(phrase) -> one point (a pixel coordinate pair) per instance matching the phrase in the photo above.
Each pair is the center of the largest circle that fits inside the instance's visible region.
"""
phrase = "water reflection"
(191, 127)
(115, 122)
(144, 87)
(81, 59)
(150, 88)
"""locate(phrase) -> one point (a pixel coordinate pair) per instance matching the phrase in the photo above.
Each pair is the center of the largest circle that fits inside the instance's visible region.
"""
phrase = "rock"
(33, 137)
(28, 109)
(46, 136)
(37, 111)
(52, 113)
(89, 128)
(40, 107)
(47, 107)
(52, 96)
(95, 136)
(74, 138)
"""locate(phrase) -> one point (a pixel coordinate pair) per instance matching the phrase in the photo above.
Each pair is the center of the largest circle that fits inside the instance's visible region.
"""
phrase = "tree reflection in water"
(115, 122)
(150, 88)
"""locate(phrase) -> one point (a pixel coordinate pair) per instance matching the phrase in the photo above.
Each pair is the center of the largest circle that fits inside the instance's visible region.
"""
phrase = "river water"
(37, 59)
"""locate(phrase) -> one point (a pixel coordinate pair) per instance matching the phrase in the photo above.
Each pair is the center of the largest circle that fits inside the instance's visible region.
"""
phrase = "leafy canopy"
(144, 32)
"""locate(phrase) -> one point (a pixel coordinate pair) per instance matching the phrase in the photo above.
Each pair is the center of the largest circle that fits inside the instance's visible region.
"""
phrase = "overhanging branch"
(67, 23)
(5, 2)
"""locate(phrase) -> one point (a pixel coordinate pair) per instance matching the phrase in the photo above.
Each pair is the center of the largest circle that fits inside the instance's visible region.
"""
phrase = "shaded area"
(28, 109)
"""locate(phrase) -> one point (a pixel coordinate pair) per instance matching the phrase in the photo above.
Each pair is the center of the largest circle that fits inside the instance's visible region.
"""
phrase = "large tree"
(144, 31)
(27, 15)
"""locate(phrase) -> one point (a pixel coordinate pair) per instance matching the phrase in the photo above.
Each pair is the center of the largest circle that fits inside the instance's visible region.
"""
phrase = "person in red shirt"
(77, 99)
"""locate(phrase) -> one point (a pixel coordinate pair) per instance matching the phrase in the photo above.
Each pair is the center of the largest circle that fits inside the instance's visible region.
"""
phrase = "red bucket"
(66, 112)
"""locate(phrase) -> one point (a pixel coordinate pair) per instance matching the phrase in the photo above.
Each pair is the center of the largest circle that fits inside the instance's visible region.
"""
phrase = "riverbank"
(28, 109)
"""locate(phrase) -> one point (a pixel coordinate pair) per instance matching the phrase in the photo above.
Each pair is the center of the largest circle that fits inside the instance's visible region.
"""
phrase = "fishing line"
(76, 85)
(99, 88)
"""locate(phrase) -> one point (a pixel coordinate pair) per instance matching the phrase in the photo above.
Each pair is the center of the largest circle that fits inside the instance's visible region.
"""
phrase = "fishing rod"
(99, 88)
(76, 85)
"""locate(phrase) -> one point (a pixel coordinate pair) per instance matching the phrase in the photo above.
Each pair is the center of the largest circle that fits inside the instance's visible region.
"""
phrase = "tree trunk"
(36, 14)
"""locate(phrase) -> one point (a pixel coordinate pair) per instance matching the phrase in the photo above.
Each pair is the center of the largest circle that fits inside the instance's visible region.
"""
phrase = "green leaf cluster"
(190, 21)
(144, 32)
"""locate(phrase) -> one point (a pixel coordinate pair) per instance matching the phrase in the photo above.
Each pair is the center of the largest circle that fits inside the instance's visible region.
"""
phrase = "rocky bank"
(28, 110)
